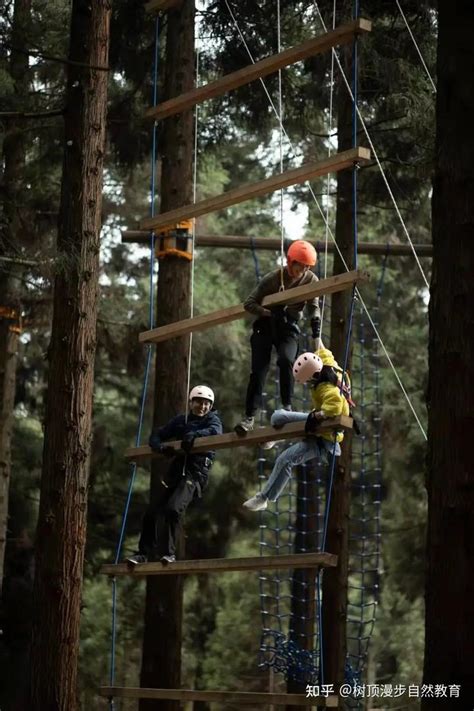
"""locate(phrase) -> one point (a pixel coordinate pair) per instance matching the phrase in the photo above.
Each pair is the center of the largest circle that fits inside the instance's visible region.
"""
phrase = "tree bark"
(10, 293)
(62, 521)
(161, 660)
(449, 642)
(335, 580)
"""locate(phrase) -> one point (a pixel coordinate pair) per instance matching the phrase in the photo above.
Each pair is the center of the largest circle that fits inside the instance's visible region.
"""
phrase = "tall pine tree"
(61, 530)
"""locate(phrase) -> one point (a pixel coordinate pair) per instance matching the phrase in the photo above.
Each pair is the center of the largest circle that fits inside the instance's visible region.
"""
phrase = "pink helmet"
(307, 365)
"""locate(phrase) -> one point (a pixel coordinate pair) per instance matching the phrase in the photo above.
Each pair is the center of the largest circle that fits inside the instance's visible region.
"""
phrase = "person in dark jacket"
(187, 476)
(278, 327)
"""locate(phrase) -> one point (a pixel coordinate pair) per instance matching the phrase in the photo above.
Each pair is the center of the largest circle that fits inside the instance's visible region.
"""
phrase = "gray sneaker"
(245, 425)
(136, 559)
(268, 445)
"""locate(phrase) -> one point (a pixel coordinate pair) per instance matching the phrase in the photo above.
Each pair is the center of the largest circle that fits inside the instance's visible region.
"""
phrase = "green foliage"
(398, 643)
(227, 664)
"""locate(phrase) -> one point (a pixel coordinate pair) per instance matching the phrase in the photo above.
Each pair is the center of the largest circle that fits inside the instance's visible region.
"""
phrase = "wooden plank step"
(339, 282)
(226, 565)
(338, 161)
(274, 243)
(316, 45)
(293, 430)
(236, 698)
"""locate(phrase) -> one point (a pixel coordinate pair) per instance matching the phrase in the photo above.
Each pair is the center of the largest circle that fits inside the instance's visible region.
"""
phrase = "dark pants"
(162, 521)
(262, 340)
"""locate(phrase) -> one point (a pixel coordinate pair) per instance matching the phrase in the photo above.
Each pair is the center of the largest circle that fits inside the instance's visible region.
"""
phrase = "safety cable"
(195, 162)
(417, 47)
(328, 177)
(280, 112)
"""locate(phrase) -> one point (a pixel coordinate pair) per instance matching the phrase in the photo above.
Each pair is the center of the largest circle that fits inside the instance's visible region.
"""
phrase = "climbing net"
(290, 602)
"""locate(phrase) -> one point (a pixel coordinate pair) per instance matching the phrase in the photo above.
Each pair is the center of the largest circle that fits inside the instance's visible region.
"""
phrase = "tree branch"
(61, 60)
(31, 114)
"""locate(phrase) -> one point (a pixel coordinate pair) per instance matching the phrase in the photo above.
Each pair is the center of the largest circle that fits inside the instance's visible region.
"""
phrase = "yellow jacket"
(328, 398)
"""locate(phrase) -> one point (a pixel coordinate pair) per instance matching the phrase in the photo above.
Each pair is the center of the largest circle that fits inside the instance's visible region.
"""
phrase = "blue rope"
(382, 276)
(147, 369)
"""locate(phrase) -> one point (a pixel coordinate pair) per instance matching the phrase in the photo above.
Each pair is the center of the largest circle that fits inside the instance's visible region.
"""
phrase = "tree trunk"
(161, 660)
(61, 530)
(10, 296)
(449, 643)
(335, 580)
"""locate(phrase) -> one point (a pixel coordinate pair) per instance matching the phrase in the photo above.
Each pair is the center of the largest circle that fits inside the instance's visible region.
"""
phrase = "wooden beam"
(234, 698)
(340, 282)
(292, 430)
(225, 565)
(339, 36)
(338, 161)
(274, 243)
(162, 5)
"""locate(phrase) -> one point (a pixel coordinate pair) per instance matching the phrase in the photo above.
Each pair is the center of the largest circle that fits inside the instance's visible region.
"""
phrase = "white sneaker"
(256, 503)
(267, 445)
(165, 559)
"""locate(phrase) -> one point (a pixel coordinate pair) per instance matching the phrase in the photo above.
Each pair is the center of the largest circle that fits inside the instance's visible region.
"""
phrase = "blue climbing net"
(291, 600)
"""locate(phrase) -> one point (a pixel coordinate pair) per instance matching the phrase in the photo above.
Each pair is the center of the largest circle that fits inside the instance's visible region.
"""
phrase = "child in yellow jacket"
(320, 370)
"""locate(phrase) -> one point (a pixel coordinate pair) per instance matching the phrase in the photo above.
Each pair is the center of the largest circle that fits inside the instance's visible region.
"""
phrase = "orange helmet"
(302, 252)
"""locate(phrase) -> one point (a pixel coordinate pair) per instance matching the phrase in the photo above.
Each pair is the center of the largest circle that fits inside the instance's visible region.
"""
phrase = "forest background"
(237, 143)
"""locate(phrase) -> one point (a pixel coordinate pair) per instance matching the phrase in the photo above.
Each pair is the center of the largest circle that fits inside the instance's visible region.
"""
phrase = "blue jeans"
(295, 455)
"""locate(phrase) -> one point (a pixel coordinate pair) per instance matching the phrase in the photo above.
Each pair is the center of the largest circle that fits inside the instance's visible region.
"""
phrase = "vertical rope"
(328, 177)
(355, 91)
(190, 353)
(280, 113)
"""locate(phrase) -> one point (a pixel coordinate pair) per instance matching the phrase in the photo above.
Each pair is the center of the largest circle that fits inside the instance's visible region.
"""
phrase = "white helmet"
(307, 365)
(202, 391)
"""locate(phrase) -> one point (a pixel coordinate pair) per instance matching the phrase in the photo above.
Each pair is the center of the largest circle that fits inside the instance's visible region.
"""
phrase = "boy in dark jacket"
(186, 479)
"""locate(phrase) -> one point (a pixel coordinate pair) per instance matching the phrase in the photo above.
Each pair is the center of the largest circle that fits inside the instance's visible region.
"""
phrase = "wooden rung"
(235, 698)
(339, 282)
(292, 430)
(339, 36)
(162, 5)
(226, 565)
(338, 161)
(274, 243)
